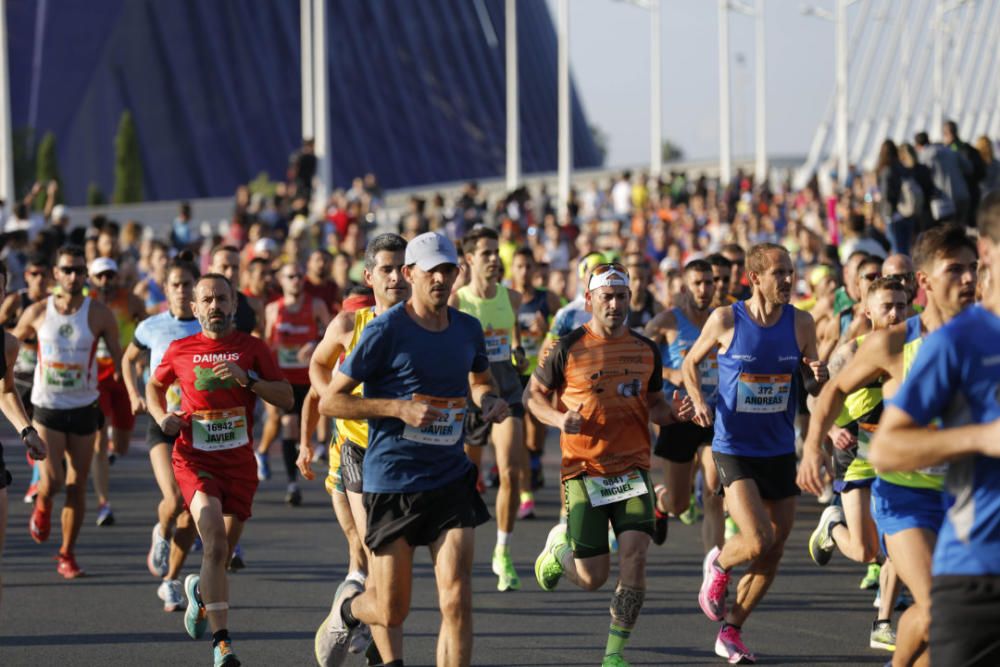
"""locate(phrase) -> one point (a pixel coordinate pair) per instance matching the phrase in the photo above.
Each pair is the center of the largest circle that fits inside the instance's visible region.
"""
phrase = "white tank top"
(65, 377)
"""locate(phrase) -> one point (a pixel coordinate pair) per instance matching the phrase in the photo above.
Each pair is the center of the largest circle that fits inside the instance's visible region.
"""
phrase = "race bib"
(531, 344)
(763, 394)
(497, 344)
(27, 357)
(288, 357)
(58, 376)
(708, 371)
(447, 430)
(865, 434)
(607, 490)
(216, 430)
(102, 350)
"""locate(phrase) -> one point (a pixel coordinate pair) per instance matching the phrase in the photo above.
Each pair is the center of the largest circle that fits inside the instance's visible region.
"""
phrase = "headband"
(610, 278)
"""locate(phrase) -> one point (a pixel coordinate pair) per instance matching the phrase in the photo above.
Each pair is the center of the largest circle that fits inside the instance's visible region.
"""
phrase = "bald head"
(900, 267)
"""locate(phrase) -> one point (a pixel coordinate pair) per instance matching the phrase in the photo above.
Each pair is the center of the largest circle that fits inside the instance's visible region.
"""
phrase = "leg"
(756, 536)
(272, 425)
(452, 554)
(626, 602)
(53, 475)
(355, 545)
(858, 540)
(391, 568)
(120, 439)
(3, 533)
(713, 527)
(475, 454)
(763, 567)
(181, 543)
(101, 466)
(508, 439)
(677, 479)
(388, 641)
(172, 503)
(214, 585)
(888, 583)
(79, 450)
(911, 552)
(290, 446)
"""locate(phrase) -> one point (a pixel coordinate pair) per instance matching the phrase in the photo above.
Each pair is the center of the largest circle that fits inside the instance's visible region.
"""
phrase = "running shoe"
(660, 519)
(40, 524)
(877, 602)
(729, 645)
(690, 516)
(548, 568)
(503, 567)
(105, 517)
(236, 563)
(31, 493)
(714, 587)
(67, 566)
(158, 559)
(293, 496)
(361, 640)
(526, 510)
(870, 582)
(612, 540)
(821, 542)
(224, 656)
(263, 466)
(333, 637)
(731, 528)
(826, 497)
(171, 591)
(883, 636)
(615, 660)
(195, 617)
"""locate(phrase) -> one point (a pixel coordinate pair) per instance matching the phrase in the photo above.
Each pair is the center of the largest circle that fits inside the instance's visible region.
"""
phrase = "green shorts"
(587, 526)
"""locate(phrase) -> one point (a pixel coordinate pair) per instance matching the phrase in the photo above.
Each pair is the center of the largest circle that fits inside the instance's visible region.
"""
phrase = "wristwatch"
(26, 431)
(252, 379)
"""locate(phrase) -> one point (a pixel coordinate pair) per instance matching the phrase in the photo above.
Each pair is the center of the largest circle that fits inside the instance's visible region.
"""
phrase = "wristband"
(27, 430)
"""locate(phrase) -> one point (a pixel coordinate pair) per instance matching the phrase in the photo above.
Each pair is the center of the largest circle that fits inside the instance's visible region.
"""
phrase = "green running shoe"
(503, 567)
(548, 569)
(821, 544)
(883, 636)
(195, 616)
(731, 527)
(224, 656)
(690, 516)
(614, 660)
(870, 582)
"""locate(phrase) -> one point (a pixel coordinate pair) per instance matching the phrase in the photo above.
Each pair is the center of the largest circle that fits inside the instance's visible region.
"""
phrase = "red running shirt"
(291, 332)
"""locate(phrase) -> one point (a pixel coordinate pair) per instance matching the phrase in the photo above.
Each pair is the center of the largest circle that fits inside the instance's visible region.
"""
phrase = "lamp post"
(321, 120)
(305, 38)
(725, 125)
(655, 86)
(6, 140)
(565, 145)
(513, 120)
(760, 85)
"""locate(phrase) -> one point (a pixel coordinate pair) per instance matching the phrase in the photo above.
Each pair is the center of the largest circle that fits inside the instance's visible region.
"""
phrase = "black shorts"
(965, 615)
(75, 421)
(299, 391)
(5, 477)
(421, 517)
(155, 435)
(352, 459)
(678, 443)
(477, 429)
(774, 475)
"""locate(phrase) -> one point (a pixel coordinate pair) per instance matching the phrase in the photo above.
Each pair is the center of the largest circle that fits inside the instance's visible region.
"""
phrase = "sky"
(609, 60)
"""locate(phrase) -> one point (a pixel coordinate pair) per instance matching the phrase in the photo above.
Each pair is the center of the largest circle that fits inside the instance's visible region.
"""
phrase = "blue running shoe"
(263, 466)
(224, 656)
(195, 617)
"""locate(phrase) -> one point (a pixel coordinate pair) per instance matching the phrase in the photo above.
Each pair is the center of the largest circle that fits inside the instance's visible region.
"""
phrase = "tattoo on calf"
(625, 605)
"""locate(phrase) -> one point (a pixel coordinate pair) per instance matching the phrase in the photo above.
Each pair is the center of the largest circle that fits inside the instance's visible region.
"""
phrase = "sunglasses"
(909, 276)
(77, 270)
(601, 269)
(871, 276)
(106, 275)
(294, 276)
(35, 274)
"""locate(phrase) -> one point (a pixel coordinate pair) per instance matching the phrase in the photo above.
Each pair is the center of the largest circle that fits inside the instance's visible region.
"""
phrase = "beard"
(215, 321)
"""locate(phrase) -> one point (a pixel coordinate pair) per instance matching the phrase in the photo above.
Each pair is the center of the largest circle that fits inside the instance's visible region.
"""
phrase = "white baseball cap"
(266, 244)
(102, 264)
(429, 250)
(59, 212)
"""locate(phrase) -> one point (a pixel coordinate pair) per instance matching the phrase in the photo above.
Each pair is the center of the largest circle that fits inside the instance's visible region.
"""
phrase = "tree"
(47, 169)
(672, 151)
(128, 164)
(24, 160)
(600, 139)
(95, 196)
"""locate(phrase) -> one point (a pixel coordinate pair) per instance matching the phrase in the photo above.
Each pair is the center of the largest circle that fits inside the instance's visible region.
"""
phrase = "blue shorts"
(897, 508)
(840, 486)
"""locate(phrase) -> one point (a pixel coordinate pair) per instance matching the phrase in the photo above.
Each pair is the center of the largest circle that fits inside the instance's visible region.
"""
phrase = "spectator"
(991, 166)
(182, 231)
(897, 206)
(971, 165)
(621, 195)
(302, 168)
(950, 198)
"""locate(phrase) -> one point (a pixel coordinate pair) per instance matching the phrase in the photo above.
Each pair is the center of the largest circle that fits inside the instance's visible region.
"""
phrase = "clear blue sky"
(609, 56)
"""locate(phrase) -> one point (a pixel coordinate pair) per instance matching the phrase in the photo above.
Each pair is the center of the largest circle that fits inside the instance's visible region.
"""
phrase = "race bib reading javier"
(607, 490)
(497, 344)
(763, 394)
(216, 430)
(288, 357)
(58, 376)
(447, 429)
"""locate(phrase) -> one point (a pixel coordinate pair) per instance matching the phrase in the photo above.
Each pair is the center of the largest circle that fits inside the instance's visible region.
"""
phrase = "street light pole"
(840, 29)
(565, 145)
(656, 94)
(725, 146)
(321, 120)
(305, 37)
(760, 134)
(513, 120)
(6, 137)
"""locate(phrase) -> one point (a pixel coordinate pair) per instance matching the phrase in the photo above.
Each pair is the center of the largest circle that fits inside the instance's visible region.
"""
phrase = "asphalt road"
(297, 556)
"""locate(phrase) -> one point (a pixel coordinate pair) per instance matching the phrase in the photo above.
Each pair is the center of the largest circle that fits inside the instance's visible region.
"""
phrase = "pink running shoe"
(729, 645)
(714, 588)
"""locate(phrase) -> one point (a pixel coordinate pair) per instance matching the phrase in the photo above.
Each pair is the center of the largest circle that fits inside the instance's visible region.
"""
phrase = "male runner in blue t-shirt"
(419, 362)
(956, 378)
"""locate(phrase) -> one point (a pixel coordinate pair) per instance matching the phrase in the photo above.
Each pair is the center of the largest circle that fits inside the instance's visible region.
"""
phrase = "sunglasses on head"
(601, 269)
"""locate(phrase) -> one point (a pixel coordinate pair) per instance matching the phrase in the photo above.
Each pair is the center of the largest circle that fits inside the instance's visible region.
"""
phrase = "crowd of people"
(703, 350)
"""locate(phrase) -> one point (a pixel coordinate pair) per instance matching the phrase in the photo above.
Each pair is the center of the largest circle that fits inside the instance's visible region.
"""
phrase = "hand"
(172, 423)
(572, 421)
(305, 352)
(304, 461)
(495, 410)
(812, 477)
(520, 361)
(225, 370)
(681, 408)
(419, 415)
(36, 446)
(842, 438)
(53, 187)
(702, 415)
(818, 369)
(138, 404)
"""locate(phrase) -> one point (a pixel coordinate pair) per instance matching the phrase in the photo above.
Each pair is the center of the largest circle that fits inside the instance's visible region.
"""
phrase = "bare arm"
(328, 350)
(338, 401)
(130, 375)
(814, 371)
(258, 310)
(9, 307)
(715, 332)
(538, 400)
(105, 326)
(901, 444)
(10, 401)
(483, 392)
(310, 418)
(659, 330)
(270, 315)
(27, 324)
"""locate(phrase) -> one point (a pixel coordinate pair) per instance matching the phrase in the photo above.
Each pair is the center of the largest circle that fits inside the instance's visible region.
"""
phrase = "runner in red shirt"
(221, 372)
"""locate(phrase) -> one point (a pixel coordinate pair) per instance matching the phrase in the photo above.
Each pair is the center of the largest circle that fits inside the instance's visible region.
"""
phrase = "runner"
(174, 531)
(128, 310)
(221, 372)
(722, 272)
(13, 409)
(675, 331)
(764, 344)
(900, 268)
(849, 526)
(737, 283)
(249, 310)
(869, 270)
(419, 362)
(907, 507)
(318, 283)
(954, 379)
(605, 450)
(383, 271)
(152, 288)
(495, 306)
(643, 307)
(538, 305)
(67, 326)
(293, 326)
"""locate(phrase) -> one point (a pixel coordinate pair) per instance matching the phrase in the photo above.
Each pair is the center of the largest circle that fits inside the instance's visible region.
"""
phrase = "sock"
(394, 663)
(358, 576)
(563, 519)
(617, 638)
(220, 636)
(560, 551)
(290, 452)
(345, 613)
(738, 628)
(527, 496)
(503, 539)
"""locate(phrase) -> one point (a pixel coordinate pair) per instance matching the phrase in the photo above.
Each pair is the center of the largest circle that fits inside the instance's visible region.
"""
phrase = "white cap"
(265, 244)
(429, 250)
(59, 212)
(102, 264)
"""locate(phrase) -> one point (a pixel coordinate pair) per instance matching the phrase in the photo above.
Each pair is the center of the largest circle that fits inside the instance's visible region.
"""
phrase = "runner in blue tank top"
(954, 380)
(767, 353)
(675, 331)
